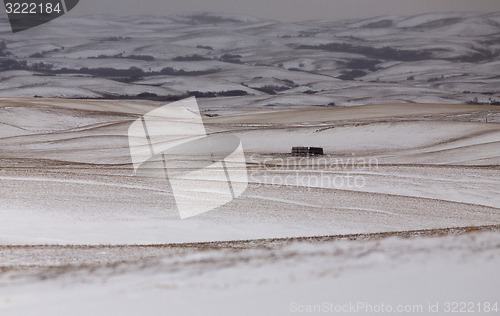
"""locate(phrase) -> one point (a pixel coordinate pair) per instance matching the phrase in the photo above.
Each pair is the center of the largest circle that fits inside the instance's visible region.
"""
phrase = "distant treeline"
(121, 56)
(389, 53)
(131, 74)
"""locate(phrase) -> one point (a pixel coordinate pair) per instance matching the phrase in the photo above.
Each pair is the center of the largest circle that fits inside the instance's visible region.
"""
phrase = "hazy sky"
(286, 10)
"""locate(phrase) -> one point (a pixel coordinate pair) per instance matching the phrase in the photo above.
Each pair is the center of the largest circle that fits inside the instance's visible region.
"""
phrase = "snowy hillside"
(280, 278)
(402, 210)
(443, 58)
(66, 173)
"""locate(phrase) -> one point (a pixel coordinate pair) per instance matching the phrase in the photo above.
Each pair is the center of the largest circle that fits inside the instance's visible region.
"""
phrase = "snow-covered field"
(81, 234)
(431, 58)
(369, 275)
(400, 216)
(67, 178)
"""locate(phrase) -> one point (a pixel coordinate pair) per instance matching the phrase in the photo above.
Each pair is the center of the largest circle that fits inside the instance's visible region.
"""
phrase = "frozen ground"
(66, 173)
(435, 58)
(402, 211)
(369, 273)
(80, 234)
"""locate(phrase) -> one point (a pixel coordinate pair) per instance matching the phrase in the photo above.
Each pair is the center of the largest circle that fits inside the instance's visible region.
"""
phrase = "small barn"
(300, 150)
(306, 151)
(316, 151)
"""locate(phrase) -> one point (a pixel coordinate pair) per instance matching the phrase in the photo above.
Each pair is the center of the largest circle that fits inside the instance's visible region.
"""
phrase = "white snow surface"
(67, 178)
(228, 55)
(390, 274)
